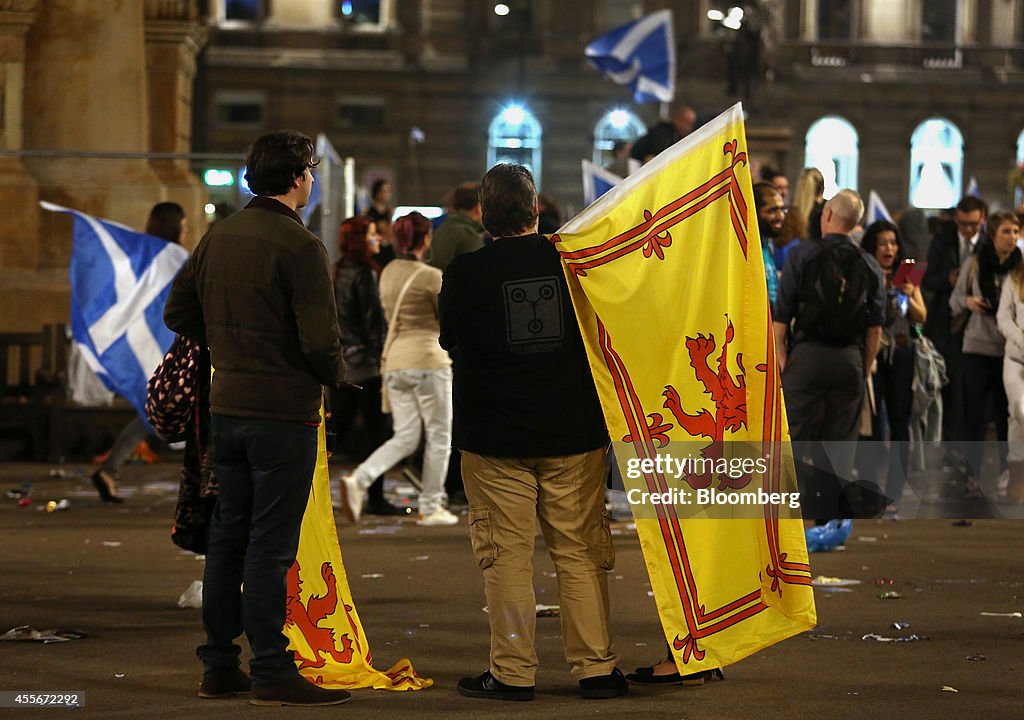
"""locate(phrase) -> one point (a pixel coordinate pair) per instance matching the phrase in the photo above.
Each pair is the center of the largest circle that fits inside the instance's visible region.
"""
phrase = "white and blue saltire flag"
(877, 209)
(642, 55)
(972, 188)
(120, 279)
(597, 181)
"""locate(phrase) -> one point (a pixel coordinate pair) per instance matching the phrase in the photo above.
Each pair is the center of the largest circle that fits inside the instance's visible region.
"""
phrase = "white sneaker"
(351, 497)
(439, 517)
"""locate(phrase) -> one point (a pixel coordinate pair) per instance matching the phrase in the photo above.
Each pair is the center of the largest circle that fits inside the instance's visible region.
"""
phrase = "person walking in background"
(258, 292)
(530, 428)
(834, 294)
(380, 212)
(776, 178)
(1010, 318)
(363, 329)
(770, 214)
(166, 221)
(977, 292)
(664, 134)
(893, 375)
(797, 226)
(417, 377)
(950, 247)
(461, 231)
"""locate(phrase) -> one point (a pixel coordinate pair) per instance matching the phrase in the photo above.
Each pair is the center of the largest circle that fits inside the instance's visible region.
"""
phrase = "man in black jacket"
(257, 290)
(950, 247)
(529, 425)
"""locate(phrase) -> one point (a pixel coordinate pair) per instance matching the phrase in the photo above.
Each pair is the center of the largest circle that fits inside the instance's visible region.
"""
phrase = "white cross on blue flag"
(119, 284)
(597, 181)
(642, 55)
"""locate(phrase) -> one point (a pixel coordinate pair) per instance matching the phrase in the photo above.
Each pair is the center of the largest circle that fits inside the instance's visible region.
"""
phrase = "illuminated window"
(936, 164)
(832, 147)
(514, 137)
(617, 125)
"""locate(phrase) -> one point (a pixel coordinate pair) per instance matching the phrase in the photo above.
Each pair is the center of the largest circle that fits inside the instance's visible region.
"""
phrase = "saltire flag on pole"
(322, 625)
(119, 284)
(972, 188)
(641, 54)
(877, 209)
(667, 280)
(597, 181)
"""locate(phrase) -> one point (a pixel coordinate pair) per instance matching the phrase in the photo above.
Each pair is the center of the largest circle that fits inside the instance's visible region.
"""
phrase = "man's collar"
(268, 203)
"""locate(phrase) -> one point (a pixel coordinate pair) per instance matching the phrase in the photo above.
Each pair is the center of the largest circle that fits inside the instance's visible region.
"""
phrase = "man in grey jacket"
(258, 291)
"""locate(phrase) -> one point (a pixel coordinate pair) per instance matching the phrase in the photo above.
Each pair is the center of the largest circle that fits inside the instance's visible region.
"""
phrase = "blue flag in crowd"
(597, 181)
(642, 55)
(119, 284)
(877, 209)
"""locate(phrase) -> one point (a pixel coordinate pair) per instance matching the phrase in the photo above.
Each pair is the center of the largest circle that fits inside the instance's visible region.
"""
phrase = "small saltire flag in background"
(972, 188)
(119, 284)
(668, 284)
(597, 181)
(642, 55)
(877, 209)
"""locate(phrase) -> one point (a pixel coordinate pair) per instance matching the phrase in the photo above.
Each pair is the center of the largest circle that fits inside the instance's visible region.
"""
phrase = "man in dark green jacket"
(461, 232)
(257, 290)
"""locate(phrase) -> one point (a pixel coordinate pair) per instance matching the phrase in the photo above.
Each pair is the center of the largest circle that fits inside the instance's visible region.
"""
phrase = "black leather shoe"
(224, 682)
(488, 686)
(297, 691)
(604, 686)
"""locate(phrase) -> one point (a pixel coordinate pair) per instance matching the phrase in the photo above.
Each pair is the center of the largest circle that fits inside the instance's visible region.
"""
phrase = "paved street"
(112, 572)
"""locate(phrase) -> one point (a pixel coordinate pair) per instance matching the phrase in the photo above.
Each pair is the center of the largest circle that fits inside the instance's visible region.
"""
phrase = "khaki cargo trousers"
(506, 497)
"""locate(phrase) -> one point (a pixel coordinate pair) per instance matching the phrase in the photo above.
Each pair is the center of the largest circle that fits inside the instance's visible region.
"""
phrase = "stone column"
(173, 39)
(19, 223)
(85, 63)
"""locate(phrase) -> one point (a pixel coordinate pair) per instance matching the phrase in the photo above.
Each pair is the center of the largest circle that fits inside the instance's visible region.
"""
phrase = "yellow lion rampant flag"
(321, 622)
(668, 282)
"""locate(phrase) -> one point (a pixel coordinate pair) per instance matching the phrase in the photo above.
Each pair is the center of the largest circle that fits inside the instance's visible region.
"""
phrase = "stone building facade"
(97, 111)
(372, 75)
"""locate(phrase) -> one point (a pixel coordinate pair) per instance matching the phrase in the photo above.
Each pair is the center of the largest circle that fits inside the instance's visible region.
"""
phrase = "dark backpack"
(834, 292)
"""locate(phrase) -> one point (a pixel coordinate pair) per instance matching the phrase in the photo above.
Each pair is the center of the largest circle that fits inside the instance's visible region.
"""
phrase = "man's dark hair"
(763, 191)
(376, 187)
(165, 220)
(970, 203)
(508, 200)
(768, 173)
(466, 196)
(276, 159)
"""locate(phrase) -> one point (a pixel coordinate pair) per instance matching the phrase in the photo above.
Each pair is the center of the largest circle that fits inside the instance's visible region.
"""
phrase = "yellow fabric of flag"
(668, 282)
(322, 624)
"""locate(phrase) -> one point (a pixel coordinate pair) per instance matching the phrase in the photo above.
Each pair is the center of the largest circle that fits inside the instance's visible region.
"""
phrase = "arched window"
(936, 164)
(832, 147)
(514, 137)
(616, 125)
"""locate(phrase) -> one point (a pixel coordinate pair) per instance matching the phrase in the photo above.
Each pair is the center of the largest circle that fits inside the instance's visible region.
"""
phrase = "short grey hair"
(847, 207)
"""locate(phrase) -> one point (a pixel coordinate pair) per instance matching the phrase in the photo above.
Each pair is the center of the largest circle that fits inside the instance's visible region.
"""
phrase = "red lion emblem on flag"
(307, 618)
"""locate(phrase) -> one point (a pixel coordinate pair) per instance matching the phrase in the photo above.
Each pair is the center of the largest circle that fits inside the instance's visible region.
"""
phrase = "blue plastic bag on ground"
(828, 536)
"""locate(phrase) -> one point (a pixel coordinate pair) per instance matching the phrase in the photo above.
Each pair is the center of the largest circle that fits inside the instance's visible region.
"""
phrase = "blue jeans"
(264, 469)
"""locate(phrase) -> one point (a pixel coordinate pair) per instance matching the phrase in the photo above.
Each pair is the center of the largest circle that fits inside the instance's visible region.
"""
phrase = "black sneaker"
(297, 691)
(488, 686)
(604, 686)
(224, 682)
